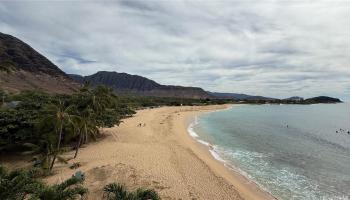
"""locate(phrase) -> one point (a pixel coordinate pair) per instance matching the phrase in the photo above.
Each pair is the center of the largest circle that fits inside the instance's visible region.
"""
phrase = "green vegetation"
(46, 125)
(22, 184)
(115, 191)
(140, 101)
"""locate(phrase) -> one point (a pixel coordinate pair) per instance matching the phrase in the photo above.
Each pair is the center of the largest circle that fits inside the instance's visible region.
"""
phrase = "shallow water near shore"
(291, 151)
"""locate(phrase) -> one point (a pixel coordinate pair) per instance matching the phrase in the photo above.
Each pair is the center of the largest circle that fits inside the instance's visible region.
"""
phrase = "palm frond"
(67, 183)
(146, 194)
(115, 191)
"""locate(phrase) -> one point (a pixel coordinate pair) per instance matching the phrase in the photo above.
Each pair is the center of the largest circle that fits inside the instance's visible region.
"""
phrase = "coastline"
(160, 155)
(245, 187)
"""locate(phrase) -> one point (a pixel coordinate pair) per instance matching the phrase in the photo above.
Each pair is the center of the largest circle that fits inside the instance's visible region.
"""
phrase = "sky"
(276, 48)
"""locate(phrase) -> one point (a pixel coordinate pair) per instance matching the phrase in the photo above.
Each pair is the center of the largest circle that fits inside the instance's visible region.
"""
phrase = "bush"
(115, 191)
(22, 184)
(145, 194)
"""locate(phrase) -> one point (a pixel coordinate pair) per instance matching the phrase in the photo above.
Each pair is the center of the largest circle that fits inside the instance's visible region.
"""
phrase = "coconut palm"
(98, 99)
(60, 117)
(86, 128)
(92, 107)
(101, 99)
(43, 152)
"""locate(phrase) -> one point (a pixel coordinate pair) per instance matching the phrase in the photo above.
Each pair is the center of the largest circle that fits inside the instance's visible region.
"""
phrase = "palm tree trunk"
(60, 137)
(85, 134)
(53, 162)
(58, 146)
(78, 145)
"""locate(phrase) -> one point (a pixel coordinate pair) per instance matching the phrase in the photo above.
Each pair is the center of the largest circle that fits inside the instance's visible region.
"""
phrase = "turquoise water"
(291, 151)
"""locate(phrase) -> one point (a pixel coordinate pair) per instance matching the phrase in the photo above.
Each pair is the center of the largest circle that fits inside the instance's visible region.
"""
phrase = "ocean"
(290, 151)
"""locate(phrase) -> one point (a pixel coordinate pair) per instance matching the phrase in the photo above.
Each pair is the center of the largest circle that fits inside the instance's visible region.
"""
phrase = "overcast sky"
(277, 48)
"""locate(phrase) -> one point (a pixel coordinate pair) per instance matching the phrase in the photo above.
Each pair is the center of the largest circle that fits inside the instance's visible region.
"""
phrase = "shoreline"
(245, 187)
(248, 189)
(160, 155)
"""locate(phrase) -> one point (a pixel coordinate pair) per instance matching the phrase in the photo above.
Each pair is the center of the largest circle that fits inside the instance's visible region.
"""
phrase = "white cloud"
(273, 48)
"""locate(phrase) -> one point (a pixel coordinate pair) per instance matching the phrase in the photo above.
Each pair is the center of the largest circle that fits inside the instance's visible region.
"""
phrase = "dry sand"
(160, 155)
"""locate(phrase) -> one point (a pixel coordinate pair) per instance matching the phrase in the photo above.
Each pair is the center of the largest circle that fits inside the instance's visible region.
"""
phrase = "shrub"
(22, 184)
(116, 191)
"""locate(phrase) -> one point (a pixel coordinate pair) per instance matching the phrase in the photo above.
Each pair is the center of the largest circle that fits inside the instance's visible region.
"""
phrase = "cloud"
(273, 48)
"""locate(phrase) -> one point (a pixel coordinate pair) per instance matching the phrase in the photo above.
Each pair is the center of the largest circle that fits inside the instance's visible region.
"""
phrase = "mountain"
(23, 68)
(123, 83)
(237, 96)
(322, 99)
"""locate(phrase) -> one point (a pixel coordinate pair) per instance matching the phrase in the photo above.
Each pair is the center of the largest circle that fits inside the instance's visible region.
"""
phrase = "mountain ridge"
(17, 55)
(23, 68)
(124, 83)
(239, 96)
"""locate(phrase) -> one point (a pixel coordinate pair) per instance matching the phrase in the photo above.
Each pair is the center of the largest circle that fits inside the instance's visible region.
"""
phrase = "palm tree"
(86, 127)
(98, 99)
(43, 152)
(92, 106)
(101, 99)
(60, 117)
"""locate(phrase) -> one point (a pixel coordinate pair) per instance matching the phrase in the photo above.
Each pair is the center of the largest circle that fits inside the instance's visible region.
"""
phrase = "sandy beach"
(161, 155)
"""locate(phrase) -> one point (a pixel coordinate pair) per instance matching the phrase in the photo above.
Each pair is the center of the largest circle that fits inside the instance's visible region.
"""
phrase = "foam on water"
(216, 155)
(291, 185)
(283, 181)
(204, 142)
(191, 126)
